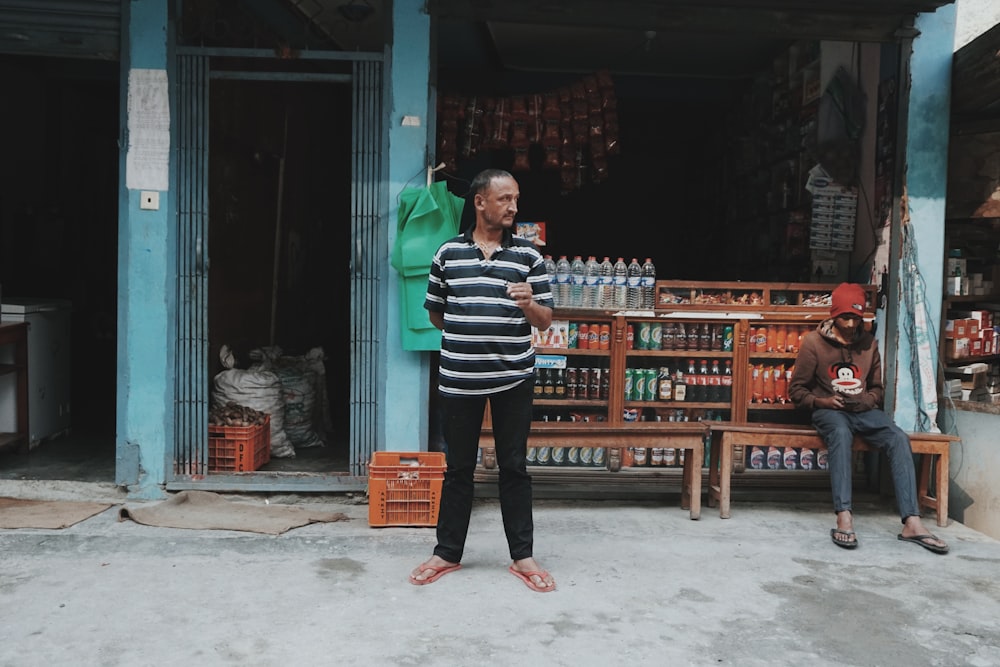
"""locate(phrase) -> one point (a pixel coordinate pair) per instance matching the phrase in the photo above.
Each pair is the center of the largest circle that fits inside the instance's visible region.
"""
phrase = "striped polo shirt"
(486, 345)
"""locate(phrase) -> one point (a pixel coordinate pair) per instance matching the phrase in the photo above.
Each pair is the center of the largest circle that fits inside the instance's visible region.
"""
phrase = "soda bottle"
(648, 284)
(620, 280)
(591, 283)
(691, 380)
(578, 276)
(727, 382)
(634, 282)
(703, 380)
(606, 298)
(715, 382)
(562, 282)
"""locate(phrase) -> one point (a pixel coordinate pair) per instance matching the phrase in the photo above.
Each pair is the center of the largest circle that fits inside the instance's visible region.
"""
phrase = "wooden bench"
(725, 436)
(689, 436)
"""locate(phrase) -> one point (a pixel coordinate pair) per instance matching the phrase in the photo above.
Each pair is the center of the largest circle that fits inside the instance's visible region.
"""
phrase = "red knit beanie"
(848, 298)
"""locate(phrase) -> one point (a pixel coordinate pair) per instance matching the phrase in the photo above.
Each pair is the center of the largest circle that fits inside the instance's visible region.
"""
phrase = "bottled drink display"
(606, 299)
(648, 284)
(578, 276)
(634, 285)
(562, 282)
(620, 279)
(591, 283)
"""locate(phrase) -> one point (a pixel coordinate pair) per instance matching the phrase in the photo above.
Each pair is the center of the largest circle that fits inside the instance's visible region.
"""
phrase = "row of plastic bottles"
(602, 285)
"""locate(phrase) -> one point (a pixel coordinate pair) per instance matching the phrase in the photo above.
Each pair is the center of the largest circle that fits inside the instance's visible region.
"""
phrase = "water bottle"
(620, 281)
(550, 268)
(648, 284)
(578, 276)
(591, 284)
(634, 282)
(562, 282)
(606, 285)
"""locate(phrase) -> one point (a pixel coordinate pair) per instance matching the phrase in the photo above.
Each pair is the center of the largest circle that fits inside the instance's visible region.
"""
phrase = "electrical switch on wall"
(149, 200)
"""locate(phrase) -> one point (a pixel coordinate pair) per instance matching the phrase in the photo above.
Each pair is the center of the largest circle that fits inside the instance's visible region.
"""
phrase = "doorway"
(279, 239)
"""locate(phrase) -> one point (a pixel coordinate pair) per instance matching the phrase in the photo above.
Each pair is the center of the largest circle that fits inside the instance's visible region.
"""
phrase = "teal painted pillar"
(145, 269)
(926, 182)
(406, 389)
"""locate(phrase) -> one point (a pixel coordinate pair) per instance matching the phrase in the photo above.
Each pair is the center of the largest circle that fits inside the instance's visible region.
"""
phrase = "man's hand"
(835, 402)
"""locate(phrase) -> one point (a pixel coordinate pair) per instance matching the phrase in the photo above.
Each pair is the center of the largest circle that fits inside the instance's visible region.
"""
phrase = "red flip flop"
(438, 573)
(526, 578)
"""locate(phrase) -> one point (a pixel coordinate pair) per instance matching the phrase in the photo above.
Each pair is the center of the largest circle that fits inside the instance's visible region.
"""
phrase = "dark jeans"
(837, 428)
(462, 420)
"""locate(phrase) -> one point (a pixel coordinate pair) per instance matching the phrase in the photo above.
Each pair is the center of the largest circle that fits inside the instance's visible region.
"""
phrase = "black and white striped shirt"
(486, 346)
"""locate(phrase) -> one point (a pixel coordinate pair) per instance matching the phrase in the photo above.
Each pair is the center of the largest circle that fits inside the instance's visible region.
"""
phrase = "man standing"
(486, 289)
(838, 376)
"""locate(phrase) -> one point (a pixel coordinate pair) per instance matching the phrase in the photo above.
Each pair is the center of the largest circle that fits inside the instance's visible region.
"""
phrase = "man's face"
(498, 205)
(847, 325)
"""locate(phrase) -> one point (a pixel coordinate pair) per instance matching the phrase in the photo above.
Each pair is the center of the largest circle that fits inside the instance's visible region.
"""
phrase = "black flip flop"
(847, 533)
(920, 539)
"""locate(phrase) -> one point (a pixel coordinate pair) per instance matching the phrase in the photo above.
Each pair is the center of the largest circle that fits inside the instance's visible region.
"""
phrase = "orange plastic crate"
(404, 488)
(239, 448)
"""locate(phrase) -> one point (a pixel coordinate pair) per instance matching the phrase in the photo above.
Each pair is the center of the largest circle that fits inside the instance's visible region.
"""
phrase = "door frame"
(187, 465)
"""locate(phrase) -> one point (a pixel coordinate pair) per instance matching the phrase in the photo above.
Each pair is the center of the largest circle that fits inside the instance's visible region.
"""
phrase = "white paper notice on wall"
(147, 161)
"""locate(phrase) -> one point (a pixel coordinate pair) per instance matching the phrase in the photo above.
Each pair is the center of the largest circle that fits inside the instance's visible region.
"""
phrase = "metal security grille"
(368, 274)
(369, 245)
(191, 377)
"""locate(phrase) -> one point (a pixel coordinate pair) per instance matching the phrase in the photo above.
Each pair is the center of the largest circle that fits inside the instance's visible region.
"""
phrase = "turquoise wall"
(926, 179)
(145, 288)
(406, 389)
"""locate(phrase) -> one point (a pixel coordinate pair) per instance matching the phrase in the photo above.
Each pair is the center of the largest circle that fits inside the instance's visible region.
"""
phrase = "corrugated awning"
(850, 20)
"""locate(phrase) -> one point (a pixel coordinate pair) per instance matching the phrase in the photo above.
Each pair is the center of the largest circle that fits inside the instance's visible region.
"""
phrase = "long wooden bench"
(725, 437)
(689, 436)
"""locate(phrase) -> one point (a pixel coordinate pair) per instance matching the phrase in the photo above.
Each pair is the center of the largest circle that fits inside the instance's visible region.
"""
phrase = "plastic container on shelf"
(562, 282)
(550, 268)
(578, 276)
(620, 279)
(591, 283)
(634, 285)
(606, 297)
(648, 284)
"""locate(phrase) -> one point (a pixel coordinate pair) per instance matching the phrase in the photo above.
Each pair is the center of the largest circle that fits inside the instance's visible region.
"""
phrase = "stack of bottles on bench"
(580, 457)
(793, 458)
(667, 457)
(604, 285)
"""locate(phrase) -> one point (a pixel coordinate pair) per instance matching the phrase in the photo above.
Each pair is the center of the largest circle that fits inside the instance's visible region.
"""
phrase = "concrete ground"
(638, 584)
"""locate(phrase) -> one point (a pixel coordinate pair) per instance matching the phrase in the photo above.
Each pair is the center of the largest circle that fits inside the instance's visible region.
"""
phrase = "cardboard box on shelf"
(956, 348)
(955, 328)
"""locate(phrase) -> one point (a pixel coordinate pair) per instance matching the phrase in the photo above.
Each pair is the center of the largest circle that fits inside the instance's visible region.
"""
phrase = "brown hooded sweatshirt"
(825, 367)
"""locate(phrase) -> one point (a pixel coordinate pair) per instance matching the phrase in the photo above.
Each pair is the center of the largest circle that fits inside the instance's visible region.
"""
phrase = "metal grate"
(368, 264)
(191, 376)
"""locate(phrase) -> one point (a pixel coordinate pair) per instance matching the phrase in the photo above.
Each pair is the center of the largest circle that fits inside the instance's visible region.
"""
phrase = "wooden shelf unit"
(789, 312)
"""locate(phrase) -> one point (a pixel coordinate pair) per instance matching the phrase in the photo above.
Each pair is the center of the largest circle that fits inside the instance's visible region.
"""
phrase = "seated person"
(838, 377)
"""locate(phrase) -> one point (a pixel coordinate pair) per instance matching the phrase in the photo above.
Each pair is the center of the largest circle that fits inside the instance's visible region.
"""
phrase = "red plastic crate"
(404, 488)
(239, 448)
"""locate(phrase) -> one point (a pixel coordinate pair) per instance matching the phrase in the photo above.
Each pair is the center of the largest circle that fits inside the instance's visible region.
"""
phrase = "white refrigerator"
(49, 360)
